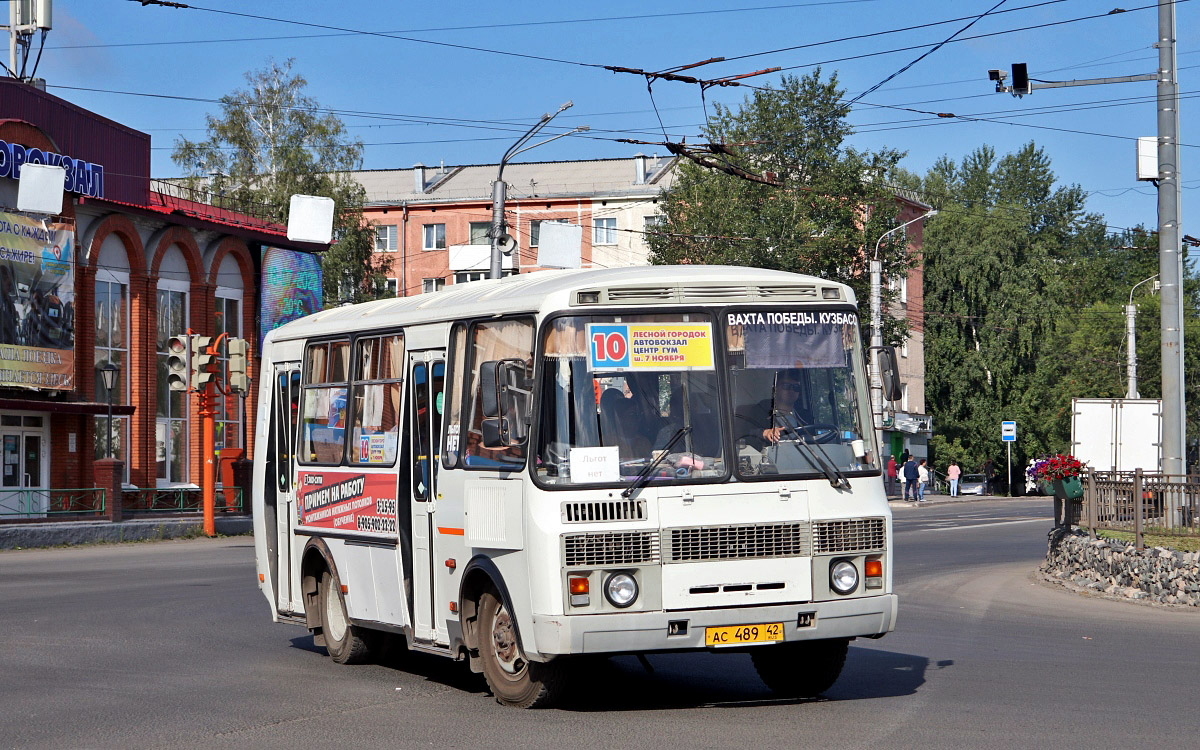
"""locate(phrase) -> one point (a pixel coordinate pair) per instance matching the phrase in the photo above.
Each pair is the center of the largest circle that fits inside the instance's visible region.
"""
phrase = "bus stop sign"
(1008, 432)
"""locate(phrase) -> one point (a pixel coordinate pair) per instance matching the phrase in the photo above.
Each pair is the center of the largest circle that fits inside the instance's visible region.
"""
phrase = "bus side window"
(452, 411)
(494, 340)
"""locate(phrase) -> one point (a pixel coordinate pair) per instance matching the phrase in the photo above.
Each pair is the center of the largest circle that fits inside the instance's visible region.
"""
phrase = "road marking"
(982, 525)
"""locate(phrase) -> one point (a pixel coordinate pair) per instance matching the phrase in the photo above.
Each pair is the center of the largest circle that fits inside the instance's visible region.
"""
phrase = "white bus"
(622, 461)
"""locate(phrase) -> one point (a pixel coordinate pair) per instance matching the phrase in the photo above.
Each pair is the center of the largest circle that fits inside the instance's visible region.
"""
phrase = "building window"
(385, 239)
(479, 233)
(463, 277)
(900, 287)
(604, 231)
(228, 422)
(904, 397)
(653, 223)
(904, 348)
(435, 236)
(535, 229)
(112, 345)
(171, 424)
(432, 285)
(393, 287)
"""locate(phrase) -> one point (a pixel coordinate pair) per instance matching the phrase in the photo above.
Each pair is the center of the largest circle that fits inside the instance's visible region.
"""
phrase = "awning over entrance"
(65, 407)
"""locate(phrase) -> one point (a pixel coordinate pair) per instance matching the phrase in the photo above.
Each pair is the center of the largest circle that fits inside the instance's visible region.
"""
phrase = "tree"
(830, 207)
(271, 141)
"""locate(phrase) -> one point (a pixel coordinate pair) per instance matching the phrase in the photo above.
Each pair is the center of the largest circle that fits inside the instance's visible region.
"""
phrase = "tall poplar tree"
(270, 141)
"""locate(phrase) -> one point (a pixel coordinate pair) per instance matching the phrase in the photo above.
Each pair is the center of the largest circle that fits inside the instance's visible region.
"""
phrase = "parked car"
(971, 484)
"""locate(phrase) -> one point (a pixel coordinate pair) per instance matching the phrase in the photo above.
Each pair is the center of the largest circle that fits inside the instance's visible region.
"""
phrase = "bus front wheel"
(344, 642)
(803, 669)
(514, 680)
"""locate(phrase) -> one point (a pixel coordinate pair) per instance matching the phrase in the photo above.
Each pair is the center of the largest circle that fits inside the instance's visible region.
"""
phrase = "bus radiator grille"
(741, 542)
(584, 511)
(857, 535)
(610, 548)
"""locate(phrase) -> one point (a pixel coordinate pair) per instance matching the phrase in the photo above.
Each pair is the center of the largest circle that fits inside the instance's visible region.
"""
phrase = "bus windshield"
(799, 405)
(617, 390)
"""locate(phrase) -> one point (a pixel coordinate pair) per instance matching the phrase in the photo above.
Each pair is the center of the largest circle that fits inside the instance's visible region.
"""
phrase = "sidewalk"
(896, 501)
(51, 534)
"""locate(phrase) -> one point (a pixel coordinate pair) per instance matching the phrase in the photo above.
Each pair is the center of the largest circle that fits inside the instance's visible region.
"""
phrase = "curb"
(70, 533)
(944, 500)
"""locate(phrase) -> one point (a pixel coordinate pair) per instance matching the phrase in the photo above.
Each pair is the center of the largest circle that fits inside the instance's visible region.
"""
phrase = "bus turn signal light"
(579, 588)
(873, 574)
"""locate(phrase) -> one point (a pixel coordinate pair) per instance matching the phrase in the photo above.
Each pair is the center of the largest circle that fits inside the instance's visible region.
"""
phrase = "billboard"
(291, 287)
(37, 304)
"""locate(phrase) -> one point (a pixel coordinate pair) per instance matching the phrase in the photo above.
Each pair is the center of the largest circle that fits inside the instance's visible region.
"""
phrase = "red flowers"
(1058, 466)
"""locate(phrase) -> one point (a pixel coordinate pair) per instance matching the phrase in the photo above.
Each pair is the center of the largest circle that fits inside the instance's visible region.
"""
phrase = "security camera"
(997, 75)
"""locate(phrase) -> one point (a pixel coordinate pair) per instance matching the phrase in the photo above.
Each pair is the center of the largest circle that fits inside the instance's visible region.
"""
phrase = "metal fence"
(176, 500)
(51, 504)
(1141, 503)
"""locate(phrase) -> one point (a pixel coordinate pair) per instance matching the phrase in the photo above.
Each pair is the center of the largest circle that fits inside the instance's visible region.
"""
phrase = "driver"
(786, 407)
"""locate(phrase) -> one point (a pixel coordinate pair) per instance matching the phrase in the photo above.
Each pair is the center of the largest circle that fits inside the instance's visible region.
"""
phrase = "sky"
(468, 78)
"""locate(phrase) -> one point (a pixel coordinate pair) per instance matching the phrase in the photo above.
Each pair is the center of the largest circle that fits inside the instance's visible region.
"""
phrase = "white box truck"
(1117, 434)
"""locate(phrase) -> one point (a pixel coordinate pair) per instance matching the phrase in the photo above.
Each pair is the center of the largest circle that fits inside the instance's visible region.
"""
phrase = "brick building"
(145, 262)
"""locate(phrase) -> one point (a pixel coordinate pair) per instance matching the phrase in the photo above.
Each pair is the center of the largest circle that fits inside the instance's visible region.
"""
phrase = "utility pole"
(502, 243)
(877, 328)
(1170, 251)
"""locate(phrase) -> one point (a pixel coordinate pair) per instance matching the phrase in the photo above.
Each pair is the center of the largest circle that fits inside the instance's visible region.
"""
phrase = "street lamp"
(1131, 390)
(877, 328)
(109, 374)
(500, 188)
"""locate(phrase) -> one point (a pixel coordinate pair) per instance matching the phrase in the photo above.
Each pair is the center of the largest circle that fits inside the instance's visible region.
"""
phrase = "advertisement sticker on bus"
(348, 501)
(620, 347)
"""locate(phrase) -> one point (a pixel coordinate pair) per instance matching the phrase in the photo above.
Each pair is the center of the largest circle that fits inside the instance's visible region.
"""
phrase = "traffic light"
(177, 363)
(1020, 80)
(202, 360)
(238, 380)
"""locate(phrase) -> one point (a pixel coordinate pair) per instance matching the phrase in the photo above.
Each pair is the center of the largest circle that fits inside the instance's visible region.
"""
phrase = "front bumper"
(648, 631)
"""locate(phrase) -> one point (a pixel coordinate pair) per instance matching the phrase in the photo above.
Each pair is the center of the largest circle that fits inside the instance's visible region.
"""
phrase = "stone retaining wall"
(1114, 567)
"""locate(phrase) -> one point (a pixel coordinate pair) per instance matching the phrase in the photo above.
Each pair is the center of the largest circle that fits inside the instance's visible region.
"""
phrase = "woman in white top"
(922, 480)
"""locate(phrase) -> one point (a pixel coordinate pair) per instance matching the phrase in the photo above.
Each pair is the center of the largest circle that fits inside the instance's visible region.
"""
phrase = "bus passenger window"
(323, 414)
(378, 374)
(452, 413)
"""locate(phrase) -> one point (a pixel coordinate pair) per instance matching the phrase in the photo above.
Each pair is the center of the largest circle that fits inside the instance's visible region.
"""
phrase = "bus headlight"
(843, 576)
(621, 590)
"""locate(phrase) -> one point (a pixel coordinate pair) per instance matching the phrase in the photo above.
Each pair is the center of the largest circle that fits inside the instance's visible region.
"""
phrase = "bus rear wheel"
(345, 643)
(514, 680)
(804, 669)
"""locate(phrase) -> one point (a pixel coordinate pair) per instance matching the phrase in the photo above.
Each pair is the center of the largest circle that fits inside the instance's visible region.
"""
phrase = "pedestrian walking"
(952, 474)
(989, 476)
(911, 476)
(922, 480)
(891, 475)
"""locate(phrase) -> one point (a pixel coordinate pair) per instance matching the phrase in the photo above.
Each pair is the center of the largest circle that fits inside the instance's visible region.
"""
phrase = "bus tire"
(514, 680)
(345, 643)
(803, 669)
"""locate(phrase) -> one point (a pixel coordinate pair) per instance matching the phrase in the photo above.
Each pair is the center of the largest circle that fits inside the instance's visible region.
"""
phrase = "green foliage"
(271, 141)
(813, 223)
(1024, 297)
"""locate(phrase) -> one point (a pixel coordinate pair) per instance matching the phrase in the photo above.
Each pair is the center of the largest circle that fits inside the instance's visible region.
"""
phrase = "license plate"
(730, 635)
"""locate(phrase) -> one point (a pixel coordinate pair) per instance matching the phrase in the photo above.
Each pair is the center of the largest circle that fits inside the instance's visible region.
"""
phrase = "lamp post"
(1131, 390)
(109, 375)
(877, 328)
(500, 188)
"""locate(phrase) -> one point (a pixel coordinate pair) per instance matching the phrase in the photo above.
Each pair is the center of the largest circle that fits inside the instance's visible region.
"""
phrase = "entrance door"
(280, 508)
(22, 486)
(427, 373)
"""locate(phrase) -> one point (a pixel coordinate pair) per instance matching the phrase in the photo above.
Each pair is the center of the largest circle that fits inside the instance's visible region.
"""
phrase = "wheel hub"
(504, 641)
(335, 620)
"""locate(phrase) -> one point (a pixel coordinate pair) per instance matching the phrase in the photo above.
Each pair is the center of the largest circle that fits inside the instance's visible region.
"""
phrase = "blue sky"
(123, 46)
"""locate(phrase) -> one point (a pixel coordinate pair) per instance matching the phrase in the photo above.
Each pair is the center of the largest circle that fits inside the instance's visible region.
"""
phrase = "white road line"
(982, 525)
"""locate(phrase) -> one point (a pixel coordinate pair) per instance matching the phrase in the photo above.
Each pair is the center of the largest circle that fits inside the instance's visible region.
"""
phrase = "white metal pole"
(876, 342)
(1169, 255)
(1131, 390)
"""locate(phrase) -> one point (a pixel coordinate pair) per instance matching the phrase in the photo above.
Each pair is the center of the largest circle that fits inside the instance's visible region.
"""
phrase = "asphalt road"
(169, 644)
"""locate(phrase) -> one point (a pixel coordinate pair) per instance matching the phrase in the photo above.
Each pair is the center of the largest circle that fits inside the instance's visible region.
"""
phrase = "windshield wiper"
(644, 477)
(823, 462)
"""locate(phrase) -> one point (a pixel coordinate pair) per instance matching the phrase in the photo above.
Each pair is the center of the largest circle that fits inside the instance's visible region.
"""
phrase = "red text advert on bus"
(346, 501)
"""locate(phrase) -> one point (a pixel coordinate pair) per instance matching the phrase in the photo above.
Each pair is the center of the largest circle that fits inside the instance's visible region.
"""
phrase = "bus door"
(282, 513)
(426, 381)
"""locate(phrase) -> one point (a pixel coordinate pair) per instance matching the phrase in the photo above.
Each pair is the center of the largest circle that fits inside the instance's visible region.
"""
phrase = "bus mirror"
(489, 385)
(889, 373)
(495, 434)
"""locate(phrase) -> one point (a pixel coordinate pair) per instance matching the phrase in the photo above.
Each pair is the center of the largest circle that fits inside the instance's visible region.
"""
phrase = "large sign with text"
(37, 304)
(82, 177)
(291, 287)
(619, 347)
(348, 501)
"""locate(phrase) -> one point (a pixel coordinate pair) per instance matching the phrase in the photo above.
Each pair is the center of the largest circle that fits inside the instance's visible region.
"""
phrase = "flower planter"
(1046, 486)
(1072, 488)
